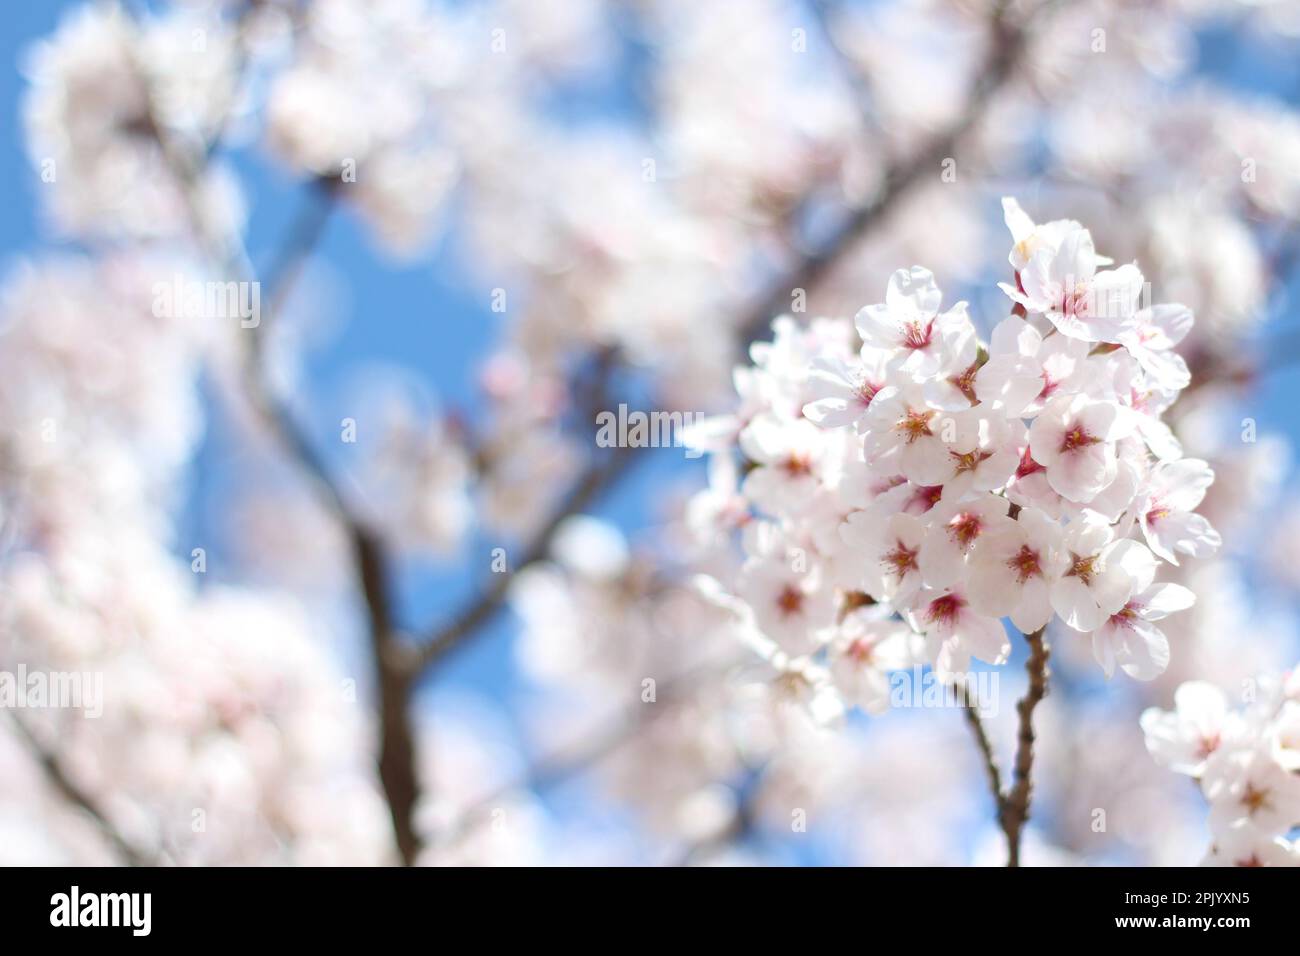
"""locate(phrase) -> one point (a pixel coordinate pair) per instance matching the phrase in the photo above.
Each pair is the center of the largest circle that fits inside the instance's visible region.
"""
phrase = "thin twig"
(229, 257)
(601, 473)
(1007, 49)
(597, 479)
(558, 767)
(1015, 808)
(78, 797)
(738, 827)
(970, 710)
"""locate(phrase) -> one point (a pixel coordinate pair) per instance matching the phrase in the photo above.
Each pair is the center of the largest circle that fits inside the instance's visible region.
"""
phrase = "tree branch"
(78, 797)
(1015, 809)
(598, 478)
(1006, 50)
(570, 762)
(397, 671)
(228, 256)
(971, 713)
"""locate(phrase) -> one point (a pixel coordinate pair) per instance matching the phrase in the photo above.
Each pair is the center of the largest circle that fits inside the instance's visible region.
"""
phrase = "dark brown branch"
(78, 797)
(971, 713)
(599, 477)
(1015, 810)
(1007, 48)
(397, 770)
(396, 758)
(738, 826)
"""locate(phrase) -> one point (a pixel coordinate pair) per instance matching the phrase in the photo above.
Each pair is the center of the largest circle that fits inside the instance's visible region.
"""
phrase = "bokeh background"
(640, 180)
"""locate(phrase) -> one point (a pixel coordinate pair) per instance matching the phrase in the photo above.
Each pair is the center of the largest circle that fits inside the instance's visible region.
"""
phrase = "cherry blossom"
(1248, 780)
(1012, 570)
(864, 651)
(1063, 284)
(923, 341)
(1074, 438)
(955, 632)
(1165, 510)
(891, 486)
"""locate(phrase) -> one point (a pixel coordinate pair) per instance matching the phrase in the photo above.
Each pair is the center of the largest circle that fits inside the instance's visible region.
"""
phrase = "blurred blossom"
(937, 419)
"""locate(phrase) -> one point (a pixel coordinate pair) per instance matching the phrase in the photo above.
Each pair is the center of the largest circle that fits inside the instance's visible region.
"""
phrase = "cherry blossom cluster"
(223, 713)
(1246, 760)
(909, 486)
(614, 237)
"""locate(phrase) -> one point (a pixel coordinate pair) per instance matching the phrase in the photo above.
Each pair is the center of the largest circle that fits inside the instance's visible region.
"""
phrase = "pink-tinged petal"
(1014, 336)
(876, 326)
(1133, 561)
(1159, 437)
(925, 462)
(1161, 600)
(1073, 602)
(1105, 420)
(1114, 297)
(1042, 290)
(1076, 258)
(1183, 531)
(832, 412)
(1083, 472)
(1142, 650)
(1011, 381)
(1018, 222)
(1185, 482)
(1035, 607)
(986, 638)
(1172, 322)
(913, 293)
(1103, 649)
(1016, 295)
(942, 562)
(1167, 368)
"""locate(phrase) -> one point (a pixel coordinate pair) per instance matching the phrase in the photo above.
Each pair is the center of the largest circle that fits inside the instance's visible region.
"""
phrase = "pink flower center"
(1076, 438)
(791, 601)
(944, 610)
(860, 650)
(965, 382)
(1075, 302)
(1254, 799)
(1125, 616)
(797, 465)
(1156, 513)
(866, 392)
(1025, 564)
(965, 528)
(917, 335)
(901, 560)
(1050, 385)
(969, 461)
(1027, 465)
(1084, 568)
(915, 424)
(924, 498)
